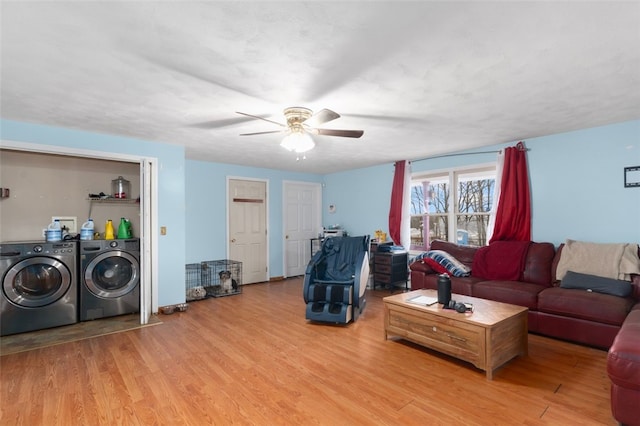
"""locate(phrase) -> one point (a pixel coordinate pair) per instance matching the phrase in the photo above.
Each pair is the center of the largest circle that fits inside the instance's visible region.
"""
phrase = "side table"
(390, 269)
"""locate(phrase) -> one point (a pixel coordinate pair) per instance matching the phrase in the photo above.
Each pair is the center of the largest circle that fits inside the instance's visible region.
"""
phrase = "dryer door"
(112, 274)
(36, 282)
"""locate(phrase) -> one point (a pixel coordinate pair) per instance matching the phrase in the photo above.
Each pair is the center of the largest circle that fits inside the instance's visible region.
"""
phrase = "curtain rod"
(520, 146)
(457, 154)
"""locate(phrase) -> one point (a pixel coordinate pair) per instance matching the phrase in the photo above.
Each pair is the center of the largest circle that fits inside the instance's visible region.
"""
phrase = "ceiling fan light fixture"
(298, 141)
(301, 124)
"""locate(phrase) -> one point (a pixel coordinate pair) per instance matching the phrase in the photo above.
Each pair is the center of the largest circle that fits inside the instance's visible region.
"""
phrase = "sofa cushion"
(501, 260)
(538, 264)
(603, 285)
(585, 305)
(435, 265)
(513, 292)
(459, 285)
(443, 262)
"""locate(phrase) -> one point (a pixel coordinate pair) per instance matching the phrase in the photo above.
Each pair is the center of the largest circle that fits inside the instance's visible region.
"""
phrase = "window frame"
(453, 178)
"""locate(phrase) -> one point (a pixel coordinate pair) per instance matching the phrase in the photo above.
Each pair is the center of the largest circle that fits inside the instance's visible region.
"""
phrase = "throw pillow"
(433, 264)
(443, 262)
(603, 285)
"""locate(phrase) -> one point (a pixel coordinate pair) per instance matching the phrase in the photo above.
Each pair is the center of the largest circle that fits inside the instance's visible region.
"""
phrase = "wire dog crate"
(213, 278)
(193, 282)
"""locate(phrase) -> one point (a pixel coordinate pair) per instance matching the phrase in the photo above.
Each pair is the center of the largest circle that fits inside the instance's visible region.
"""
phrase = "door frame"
(266, 215)
(148, 233)
(317, 187)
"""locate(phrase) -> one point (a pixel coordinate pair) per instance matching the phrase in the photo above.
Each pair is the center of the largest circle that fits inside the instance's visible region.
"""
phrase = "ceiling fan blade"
(260, 118)
(320, 117)
(394, 118)
(215, 124)
(261, 133)
(343, 133)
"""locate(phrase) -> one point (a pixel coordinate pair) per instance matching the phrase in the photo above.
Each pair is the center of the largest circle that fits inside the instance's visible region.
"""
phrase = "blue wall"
(361, 198)
(171, 194)
(206, 209)
(576, 182)
(576, 186)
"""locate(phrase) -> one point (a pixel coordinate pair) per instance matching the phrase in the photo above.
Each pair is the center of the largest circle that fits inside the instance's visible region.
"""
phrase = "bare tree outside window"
(431, 210)
(475, 198)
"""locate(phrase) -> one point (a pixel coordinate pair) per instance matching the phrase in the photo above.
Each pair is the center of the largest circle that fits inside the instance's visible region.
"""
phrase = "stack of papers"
(423, 300)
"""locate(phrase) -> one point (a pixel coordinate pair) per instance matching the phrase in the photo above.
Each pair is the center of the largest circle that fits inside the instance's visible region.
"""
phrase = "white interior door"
(302, 222)
(248, 228)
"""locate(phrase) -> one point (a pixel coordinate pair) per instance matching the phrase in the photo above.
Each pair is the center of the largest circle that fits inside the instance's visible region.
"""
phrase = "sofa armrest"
(420, 266)
(623, 358)
(635, 287)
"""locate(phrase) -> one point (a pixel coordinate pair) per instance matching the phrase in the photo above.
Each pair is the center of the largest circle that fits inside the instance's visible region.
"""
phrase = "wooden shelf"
(113, 200)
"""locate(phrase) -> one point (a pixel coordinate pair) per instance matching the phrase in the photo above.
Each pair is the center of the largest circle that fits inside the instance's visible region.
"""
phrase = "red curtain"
(513, 215)
(397, 195)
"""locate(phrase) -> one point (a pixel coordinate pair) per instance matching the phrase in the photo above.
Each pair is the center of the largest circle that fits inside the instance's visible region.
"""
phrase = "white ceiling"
(420, 78)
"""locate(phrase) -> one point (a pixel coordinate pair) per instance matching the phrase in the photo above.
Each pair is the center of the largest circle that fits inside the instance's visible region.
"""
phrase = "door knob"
(286, 237)
(233, 240)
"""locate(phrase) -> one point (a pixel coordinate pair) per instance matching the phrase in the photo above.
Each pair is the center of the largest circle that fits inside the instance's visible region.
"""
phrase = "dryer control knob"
(37, 249)
(113, 244)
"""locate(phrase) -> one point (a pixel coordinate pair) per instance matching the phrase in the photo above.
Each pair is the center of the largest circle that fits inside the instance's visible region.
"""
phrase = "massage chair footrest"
(329, 312)
(335, 293)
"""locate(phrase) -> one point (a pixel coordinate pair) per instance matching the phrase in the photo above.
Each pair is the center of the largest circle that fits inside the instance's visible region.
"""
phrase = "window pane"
(438, 198)
(417, 232)
(463, 196)
(472, 229)
(438, 228)
(418, 205)
(475, 195)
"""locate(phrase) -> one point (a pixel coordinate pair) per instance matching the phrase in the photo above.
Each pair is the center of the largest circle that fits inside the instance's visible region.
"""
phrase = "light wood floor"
(253, 359)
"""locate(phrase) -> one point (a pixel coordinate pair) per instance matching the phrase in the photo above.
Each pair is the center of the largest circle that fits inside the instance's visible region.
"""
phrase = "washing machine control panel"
(49, 248)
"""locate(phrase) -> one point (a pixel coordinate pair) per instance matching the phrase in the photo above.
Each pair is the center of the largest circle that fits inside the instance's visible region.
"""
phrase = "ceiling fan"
(301, 123)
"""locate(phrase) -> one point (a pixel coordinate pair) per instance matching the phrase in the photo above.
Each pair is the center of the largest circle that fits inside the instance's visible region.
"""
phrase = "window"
(452, 206)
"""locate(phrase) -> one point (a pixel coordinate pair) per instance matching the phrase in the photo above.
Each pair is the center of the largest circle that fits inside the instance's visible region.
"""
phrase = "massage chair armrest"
(310, 274)
(361, 278)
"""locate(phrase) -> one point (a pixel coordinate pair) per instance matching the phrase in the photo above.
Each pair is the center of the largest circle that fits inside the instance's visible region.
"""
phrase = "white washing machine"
(39, 285)
(109, 278)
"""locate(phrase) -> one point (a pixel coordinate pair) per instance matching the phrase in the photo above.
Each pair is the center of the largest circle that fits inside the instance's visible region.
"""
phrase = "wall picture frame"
(632, 177)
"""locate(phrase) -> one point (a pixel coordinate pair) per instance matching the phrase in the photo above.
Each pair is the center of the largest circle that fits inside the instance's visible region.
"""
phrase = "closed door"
(302, 221)
(248, 228)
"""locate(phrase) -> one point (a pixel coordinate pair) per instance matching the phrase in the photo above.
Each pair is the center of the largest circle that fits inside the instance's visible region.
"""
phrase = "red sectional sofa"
(591, 318)
(623, 367)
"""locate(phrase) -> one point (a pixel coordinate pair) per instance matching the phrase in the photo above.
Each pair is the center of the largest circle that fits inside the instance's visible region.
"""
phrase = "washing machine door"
(36, 282)
(112, 274)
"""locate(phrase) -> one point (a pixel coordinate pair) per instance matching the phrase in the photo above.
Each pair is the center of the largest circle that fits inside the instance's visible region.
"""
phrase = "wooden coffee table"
(488, 337)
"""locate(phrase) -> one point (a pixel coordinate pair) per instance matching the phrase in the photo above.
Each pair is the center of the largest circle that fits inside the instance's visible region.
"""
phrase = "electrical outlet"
(70, 222)
(163, 230)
